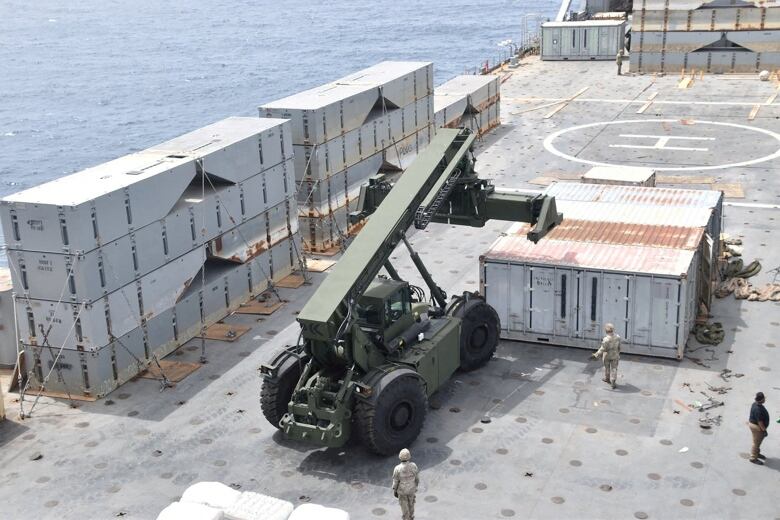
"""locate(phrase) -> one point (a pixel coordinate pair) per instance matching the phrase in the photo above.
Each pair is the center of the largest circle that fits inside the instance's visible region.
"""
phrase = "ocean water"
(85, 82)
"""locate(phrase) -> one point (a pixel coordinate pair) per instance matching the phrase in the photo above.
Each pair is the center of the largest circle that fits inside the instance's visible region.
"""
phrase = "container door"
(665, 311)
(564, 297)
(577, 319)
(497, 289)
(591, 305)
(642, 313)
(705, 280)
(541, 300)
(517, 294)
(568, 41)
(556, 42)
(589, 44)
(606, 41)
(615, 299)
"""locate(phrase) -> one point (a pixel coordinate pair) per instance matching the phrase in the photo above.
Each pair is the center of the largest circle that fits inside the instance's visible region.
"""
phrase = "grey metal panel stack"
(715, 37)
(124, 262)
(348, 130)
(471, 101)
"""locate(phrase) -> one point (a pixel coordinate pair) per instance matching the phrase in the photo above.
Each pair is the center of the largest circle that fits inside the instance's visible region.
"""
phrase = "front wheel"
(395, 418)
(276, 393)
(479, 332)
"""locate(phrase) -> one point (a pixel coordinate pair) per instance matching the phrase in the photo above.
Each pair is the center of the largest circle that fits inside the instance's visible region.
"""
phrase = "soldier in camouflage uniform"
(610, 352)
(405, 481)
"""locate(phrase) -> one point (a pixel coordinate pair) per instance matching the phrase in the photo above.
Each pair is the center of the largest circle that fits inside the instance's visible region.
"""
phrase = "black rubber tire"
(395, 418)
(275, 394)
(479, 333)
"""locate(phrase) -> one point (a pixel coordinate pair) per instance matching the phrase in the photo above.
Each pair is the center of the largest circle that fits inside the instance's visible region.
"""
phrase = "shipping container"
(400, 82)
(620, 175)
(323, 113)
(334, 190)
(235, 148)
(8, 344)
(704, 205)
(563, 292)
(91, 325)
(587, 40)
(719, 19)
(81, 212)
(320, 161)
(481, 90)
(86, 373)
(449, 109)
(88, 276)
(660, 5)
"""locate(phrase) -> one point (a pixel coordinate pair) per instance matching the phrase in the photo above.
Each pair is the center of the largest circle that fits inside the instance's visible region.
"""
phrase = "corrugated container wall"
(563, 293)
(620, 255)
(588, 40)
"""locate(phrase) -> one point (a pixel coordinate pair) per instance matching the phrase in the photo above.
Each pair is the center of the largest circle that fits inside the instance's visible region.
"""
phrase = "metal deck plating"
(560, 444)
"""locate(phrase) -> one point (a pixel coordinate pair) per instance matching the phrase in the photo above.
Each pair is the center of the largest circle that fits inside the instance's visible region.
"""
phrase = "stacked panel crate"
(126, 261)
(344, 132)
(718, 36)
(471, 101)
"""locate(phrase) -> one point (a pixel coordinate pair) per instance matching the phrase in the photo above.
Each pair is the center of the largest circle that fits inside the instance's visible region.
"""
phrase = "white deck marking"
(639, 101)
(550, 147)
(756, 205)
(661, 141)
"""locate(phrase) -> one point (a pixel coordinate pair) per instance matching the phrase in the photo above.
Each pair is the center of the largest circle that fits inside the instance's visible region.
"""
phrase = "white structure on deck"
(640, 258)
(584, 40)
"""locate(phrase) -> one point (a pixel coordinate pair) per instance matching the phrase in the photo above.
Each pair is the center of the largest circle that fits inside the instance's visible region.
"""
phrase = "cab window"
(369, 315)
(396, 306)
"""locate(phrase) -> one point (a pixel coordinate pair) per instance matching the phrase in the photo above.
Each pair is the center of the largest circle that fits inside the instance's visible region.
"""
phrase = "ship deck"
(559, 443)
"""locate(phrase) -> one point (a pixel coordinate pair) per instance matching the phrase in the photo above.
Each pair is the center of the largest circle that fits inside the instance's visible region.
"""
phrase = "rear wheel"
(276, 393)
(396, 416)
(479, 332)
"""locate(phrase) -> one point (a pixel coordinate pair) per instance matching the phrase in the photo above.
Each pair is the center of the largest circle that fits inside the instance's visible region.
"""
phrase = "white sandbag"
(189, 511)
(318, 512)
(214, 494)
(255, 506)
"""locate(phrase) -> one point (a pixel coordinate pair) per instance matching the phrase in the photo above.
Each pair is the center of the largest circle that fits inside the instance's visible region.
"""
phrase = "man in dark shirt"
(758, 422)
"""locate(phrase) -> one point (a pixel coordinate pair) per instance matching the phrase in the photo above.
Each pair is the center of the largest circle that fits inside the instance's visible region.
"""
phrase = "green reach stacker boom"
(371, 348)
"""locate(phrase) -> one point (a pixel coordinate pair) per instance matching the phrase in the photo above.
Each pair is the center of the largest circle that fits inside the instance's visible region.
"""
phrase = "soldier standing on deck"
(759, 422)
(619, 61)
(405, 481)
(610, 352)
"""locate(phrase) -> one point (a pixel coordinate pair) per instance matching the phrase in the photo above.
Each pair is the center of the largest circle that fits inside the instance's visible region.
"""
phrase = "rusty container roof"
(515, 247)
(635, 195)
(622, 233)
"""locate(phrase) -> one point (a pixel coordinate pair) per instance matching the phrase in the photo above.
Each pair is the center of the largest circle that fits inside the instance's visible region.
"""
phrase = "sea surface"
(85, 82)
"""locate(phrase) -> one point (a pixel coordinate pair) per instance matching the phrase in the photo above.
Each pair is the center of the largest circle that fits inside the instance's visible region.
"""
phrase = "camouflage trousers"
(407, 506)
(610, 370)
